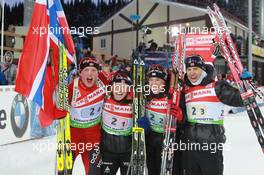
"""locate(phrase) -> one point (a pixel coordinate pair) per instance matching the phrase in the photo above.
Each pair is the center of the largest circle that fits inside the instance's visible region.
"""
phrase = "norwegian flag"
(36, 78)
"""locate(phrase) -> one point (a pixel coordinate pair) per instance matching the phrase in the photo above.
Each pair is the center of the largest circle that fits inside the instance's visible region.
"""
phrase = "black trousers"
(154, 158)
(113, 161)
(92, 161)
(177, 163)
(203, 163)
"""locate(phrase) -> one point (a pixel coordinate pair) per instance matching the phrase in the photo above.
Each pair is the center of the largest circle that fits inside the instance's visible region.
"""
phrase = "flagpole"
(250, 36)
(2, 31)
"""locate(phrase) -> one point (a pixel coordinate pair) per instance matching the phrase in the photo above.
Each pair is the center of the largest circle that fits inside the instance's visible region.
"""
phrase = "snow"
(242, 153)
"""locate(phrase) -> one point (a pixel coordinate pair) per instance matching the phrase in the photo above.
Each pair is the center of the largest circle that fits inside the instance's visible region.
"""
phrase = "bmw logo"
(19, 115)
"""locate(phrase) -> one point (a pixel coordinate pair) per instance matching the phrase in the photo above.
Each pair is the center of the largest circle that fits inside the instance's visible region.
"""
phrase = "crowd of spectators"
(108, 64)
(7, 68)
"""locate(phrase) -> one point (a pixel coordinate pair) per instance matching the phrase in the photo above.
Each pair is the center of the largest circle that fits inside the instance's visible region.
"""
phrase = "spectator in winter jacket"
(9, 69)
(3, 80)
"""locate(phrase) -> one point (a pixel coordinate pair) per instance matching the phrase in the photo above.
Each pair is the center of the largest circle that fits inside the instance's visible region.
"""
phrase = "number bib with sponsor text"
(86, 111)
(203, 105)
(156, 113)
(117, 119)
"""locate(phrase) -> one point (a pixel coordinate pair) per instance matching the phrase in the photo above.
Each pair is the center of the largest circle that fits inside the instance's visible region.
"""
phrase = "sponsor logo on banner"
(2, 119)
(19, 115)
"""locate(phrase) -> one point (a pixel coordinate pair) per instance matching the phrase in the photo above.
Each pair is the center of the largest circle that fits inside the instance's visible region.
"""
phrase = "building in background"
(118, 36)
(258, 16)
(28, 10)
(262, 19)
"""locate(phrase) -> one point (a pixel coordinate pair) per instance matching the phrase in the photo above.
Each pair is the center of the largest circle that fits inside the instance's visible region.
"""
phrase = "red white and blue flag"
(35, 78)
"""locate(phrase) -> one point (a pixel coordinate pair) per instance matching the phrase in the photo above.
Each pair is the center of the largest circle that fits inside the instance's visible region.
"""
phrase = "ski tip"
(135, 61)
(142, 63)
(209, 9)
(216, 6)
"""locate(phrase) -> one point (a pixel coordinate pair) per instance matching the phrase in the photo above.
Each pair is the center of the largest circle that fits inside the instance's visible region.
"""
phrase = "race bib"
(117, 125)
(86, 116)
(207, 113)
(197, 111)
(156, 121)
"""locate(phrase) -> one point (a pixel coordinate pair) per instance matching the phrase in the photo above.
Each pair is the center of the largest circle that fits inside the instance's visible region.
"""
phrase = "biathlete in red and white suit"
(117, 126)
(86, 98)
(203, 102)
(156, 110)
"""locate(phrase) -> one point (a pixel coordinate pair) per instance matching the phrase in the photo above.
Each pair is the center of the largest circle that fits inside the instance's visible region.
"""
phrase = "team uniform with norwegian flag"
(86, 106)
(117, 126)
(116, 136)
(203, 106)
(156, 111)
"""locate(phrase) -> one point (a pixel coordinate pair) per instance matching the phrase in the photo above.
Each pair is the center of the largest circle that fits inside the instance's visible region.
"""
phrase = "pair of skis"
(256, 90)
(64, 154)
(235, 65)
(173, 99)
(138, 164)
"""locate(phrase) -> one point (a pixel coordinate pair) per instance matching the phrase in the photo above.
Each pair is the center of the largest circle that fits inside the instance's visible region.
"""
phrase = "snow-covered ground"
(242, 153)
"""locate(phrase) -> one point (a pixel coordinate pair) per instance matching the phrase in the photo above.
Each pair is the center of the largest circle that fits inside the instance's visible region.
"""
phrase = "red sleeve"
(105, 77)
(70, 92)
(131, 92)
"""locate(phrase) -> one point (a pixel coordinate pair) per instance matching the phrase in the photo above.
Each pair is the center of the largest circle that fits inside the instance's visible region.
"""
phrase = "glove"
(246, 75)
(176, 111)
(144, 123)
